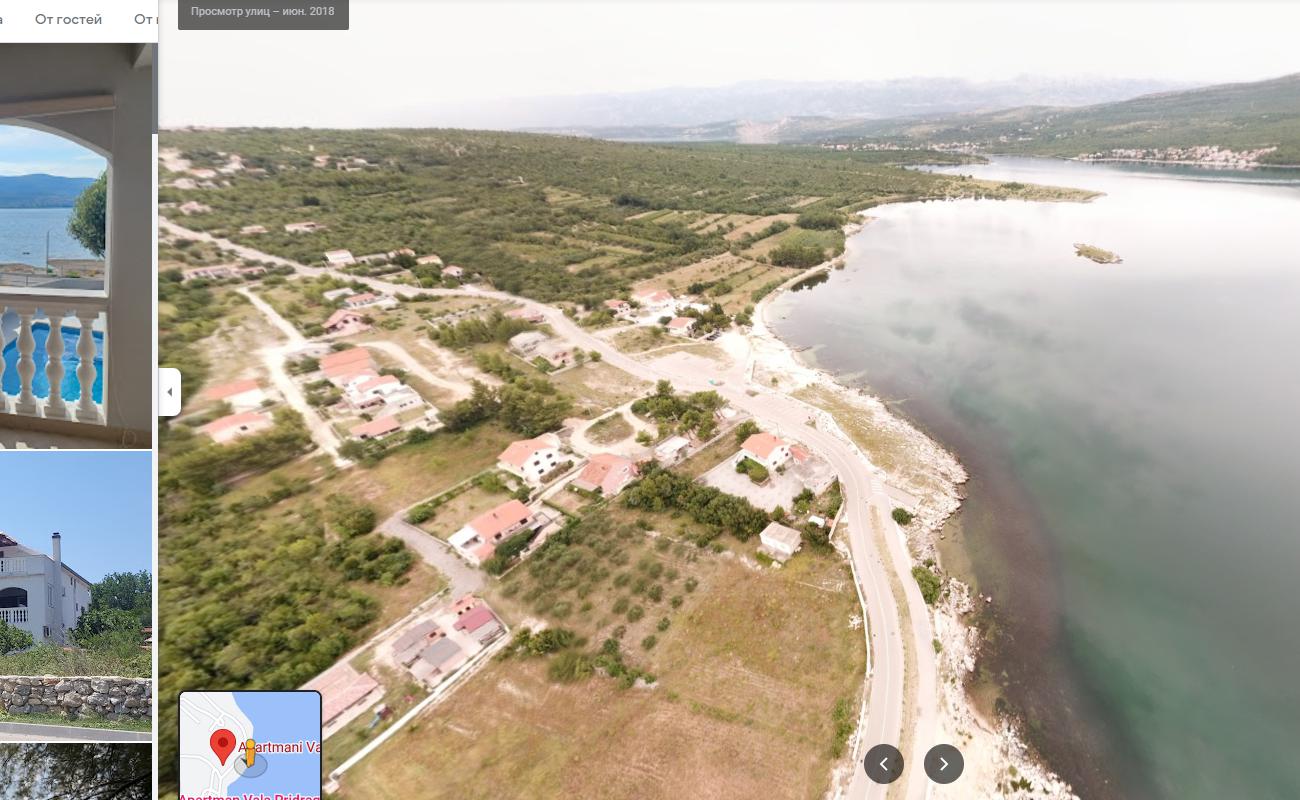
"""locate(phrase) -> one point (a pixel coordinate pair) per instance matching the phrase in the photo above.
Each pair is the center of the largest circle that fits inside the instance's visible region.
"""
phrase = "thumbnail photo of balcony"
(76, 246)
(76, 597)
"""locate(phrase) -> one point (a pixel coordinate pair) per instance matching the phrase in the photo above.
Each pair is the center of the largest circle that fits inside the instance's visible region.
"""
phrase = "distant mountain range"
(1240, 116)
(40, 191)
(770, 100)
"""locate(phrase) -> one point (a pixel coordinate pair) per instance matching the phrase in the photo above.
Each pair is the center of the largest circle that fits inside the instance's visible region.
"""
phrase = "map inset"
(250, 744)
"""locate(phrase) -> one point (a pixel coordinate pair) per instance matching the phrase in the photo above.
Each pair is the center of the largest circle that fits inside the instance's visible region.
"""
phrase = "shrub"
(649, 642)
(902, 516)
(569, 667)
(349, 517)
(930, 584)
(635, 613)
(820, 220)
(663, 624)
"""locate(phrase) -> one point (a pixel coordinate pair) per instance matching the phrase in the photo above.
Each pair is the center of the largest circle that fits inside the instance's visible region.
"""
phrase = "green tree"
(94, 771)
(12, 638)
(89, 212)
(349, 517)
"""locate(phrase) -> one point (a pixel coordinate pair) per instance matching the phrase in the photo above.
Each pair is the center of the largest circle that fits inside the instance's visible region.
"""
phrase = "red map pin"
(223, 744)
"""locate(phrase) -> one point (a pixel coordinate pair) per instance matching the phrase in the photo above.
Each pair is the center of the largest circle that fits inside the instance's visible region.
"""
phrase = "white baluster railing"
(20, 566)
(13, 616)
(19, 311)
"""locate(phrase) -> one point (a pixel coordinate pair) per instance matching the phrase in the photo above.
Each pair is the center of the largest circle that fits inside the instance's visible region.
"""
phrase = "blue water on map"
(283, 717)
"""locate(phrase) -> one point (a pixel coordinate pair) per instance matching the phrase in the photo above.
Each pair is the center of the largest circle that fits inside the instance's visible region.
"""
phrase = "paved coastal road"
(878, 552)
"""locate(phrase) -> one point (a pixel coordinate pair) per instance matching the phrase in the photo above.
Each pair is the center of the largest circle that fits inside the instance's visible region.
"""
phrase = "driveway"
(461, 577)
(779, 489)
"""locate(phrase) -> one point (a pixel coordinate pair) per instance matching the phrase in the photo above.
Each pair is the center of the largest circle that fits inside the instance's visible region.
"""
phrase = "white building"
(654, 299)
(531, 459)
(39, 593)
(681, 326)
(766, 449)
(339, 258)
(779, 541)
(672, 450)
(526, 343)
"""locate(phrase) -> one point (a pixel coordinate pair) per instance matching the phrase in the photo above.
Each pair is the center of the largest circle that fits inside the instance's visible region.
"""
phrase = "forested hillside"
(1240, 116)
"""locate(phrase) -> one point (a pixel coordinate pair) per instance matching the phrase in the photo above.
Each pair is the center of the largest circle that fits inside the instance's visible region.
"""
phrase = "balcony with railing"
(22, 565)
(16, 617)
(53, 346)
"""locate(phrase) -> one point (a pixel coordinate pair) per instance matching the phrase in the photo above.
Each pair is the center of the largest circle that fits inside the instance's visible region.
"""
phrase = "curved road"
(878, 550)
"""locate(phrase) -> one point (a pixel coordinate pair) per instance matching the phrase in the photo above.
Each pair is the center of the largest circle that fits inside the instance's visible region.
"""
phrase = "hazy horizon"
(379, 75)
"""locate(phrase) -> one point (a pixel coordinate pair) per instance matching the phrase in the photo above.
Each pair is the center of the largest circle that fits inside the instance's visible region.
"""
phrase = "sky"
(415, 62)
(24, 151)
(101, 501)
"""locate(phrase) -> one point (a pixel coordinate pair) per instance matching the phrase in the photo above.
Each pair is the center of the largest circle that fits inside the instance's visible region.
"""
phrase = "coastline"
(927, 477)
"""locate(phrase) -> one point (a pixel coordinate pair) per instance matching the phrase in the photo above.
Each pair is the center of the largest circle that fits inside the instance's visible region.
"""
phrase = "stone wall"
(107, 698)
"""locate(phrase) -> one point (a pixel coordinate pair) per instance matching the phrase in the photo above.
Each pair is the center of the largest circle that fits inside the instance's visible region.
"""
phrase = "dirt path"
(273, 357)
(460, 389)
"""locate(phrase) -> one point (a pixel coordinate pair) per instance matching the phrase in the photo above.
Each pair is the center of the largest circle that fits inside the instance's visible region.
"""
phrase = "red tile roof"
(518, 453)
(341, 316)
(224, 390)
(475, 619)
(352, 355)
(235, 421)
(608, 471)
(507, 515)
(376, 427)
(762, 444)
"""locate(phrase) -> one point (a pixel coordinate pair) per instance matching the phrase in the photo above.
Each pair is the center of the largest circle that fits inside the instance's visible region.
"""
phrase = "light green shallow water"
(1132, 435)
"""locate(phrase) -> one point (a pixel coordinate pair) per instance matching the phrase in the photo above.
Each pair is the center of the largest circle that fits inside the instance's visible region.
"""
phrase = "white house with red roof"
(235, 426)
(532, 459)
(367, 390)
(341, 366)
(619, 307)
(368, 299)
(375, 428)
(244, 395)
(477, 541)
(681, 326)
(654, 298)
(345, 322)
(766, 449)
(606, 472)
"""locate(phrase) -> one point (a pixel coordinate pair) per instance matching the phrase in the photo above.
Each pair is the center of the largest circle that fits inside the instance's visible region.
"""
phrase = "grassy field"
(598, 387)
(452, 515)
(614, 428)
(401, 693)
(732, 714)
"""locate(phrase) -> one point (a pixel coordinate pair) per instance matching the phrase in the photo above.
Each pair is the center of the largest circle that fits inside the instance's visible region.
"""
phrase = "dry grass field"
(748, 676)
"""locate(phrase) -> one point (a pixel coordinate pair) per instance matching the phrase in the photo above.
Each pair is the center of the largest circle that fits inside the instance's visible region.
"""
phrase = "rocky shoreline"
(998, 761)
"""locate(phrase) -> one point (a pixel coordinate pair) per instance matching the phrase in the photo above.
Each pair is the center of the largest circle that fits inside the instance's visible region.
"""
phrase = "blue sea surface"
(26, 232)
(70, 388)
(283, 717)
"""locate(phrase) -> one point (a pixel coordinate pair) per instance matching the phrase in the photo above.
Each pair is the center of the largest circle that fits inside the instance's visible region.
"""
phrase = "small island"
(1096, 254)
